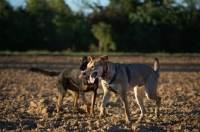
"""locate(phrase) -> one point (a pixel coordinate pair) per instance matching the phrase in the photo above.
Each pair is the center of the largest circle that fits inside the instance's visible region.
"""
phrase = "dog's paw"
(91, 112)
(128, 121)
(87, 109)
(59, 109)
(138, 121)
(135, 126)
(101, 116)
(76, 109)
(157, 113)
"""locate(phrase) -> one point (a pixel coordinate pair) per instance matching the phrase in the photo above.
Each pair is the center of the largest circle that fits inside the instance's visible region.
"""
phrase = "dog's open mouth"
(92, 77)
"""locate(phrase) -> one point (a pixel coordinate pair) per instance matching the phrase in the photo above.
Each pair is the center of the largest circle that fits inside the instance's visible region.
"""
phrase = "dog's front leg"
(106, 97)
(126, 105)
(84, 100)
(103, 103)
(93, 102)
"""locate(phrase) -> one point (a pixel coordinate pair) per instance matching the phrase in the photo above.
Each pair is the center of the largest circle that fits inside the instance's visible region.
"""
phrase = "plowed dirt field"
(27, 100)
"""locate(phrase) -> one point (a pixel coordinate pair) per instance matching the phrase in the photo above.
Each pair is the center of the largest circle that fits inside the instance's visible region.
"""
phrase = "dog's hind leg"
(62, 89)
(158, 102)
(151, 88)
(75, 96)
(60, 98)
(139, 95)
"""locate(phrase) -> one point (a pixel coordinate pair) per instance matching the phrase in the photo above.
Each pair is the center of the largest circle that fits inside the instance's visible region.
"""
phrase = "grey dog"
(120, 78)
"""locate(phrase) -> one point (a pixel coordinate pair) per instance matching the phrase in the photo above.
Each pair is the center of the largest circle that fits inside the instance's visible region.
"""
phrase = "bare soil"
(27, 100)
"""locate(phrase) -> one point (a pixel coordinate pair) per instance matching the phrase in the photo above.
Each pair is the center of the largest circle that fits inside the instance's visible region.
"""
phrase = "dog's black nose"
(83, 73)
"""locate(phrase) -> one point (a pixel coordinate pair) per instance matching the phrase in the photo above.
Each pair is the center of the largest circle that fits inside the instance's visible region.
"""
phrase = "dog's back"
(134, 74)
(72, 75)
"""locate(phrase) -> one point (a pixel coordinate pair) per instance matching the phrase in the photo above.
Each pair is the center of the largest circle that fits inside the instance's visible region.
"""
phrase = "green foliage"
(102, 32)
(124, 6)
(6, 12)
(5, 9)
(123, 26)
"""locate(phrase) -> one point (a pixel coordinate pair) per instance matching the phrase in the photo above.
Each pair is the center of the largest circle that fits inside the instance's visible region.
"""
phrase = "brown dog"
(68, 80)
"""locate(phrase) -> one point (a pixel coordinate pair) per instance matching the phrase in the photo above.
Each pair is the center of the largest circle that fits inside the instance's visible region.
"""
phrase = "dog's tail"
(157, 66)
(44, 72)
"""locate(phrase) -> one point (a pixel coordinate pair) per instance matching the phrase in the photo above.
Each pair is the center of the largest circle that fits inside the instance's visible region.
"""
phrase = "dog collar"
(128, 74)
(114, 76)
(105, 72)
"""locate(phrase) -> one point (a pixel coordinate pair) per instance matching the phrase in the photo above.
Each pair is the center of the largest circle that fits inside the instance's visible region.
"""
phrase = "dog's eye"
(92, 67)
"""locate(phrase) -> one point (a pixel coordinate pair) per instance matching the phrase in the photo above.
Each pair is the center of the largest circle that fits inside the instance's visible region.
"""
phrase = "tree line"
(122, 26)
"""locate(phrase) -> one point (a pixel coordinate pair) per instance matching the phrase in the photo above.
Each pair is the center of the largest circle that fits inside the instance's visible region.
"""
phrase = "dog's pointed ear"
(89, 58)
(83, 58)
(105, 56)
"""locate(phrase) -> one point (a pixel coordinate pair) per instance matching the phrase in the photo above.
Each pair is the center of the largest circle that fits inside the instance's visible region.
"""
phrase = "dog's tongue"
(91, 79)
(80, 76)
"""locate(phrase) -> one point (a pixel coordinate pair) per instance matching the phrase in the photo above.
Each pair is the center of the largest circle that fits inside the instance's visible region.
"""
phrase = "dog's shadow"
(140, 127)
(70, 110)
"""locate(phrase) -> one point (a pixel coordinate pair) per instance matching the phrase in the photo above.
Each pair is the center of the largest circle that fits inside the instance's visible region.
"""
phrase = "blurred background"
(145, 26)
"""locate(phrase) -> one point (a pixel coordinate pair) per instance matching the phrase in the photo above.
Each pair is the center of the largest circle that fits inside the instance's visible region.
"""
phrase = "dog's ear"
(105, 56)
(89, 58)
(80, 59)
(83, 58)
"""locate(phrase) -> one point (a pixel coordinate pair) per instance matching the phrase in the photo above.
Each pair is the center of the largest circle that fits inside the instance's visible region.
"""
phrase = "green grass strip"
(67, 53)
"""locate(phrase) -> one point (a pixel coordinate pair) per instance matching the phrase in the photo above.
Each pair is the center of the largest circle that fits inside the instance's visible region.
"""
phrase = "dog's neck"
(105, 71)
(109, 75)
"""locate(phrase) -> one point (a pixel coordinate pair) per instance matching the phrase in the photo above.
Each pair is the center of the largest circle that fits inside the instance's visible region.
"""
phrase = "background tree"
(6, 15)
(102, 32)
(122, 26)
